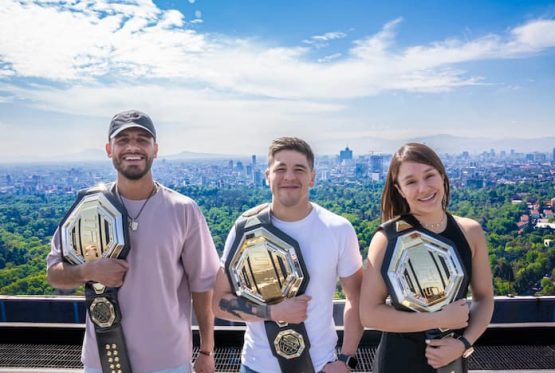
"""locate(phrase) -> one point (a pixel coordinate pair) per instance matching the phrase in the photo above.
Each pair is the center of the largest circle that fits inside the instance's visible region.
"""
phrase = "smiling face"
(422, 186)
(132, 151)
(290, 177)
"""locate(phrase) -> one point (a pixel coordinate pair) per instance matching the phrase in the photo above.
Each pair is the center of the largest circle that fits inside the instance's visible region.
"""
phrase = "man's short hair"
(291, 143)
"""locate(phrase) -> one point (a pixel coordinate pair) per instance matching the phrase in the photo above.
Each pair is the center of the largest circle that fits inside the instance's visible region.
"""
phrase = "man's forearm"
(202, 304)
(240, 309)
(352, 328)
(66, 276)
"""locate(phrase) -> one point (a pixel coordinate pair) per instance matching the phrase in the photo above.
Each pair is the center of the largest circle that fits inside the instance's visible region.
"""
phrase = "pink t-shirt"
(172, 254)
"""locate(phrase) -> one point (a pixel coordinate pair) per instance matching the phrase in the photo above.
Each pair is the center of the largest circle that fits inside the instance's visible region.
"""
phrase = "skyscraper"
(376, 163)
(346, 154)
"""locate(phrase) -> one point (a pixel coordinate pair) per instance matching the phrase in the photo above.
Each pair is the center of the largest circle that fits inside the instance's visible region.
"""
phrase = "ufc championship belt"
(265, 266)
(95, 227)
(423, 272)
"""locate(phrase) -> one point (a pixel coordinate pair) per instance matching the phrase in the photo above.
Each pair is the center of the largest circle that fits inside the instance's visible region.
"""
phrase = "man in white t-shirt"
(172, 261)
(330, 250)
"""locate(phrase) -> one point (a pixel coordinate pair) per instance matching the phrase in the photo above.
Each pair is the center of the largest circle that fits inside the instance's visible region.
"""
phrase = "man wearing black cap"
(171, 261)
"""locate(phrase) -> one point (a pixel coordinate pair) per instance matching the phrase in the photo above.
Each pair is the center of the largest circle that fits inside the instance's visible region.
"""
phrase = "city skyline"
(227, 77)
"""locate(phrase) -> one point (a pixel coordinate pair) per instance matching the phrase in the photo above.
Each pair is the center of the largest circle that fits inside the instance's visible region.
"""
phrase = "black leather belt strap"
(298, 364)
(104, 309)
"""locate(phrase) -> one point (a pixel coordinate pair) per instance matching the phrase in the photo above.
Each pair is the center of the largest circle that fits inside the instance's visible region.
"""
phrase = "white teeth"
(132, 158)
(428, 198)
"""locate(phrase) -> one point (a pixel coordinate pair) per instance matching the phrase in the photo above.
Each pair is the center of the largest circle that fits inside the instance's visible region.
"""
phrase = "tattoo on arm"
(236, 305)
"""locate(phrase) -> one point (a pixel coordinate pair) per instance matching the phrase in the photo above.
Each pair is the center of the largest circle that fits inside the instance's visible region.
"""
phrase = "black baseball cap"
(129, 119)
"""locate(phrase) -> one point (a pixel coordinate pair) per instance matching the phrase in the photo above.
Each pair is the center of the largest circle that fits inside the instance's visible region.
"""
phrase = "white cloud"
(534, 36)
(321, 41)
(330, 57)
(85, 42)
(330, 36)
(185, 118)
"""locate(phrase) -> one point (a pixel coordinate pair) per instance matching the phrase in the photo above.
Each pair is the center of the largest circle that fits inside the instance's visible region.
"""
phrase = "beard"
(133, 172)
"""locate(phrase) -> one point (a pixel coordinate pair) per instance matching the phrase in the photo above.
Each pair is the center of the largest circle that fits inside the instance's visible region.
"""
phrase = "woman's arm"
(481, 282)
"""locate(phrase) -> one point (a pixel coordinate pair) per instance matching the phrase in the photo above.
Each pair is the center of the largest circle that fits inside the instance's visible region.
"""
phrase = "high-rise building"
(360, 170)
(553, 158)
(376, 164)
(258, 178)
(253, 169)
(345, 154)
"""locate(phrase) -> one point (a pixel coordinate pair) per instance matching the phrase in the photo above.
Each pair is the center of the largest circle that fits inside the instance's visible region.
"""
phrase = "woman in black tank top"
(417, 192)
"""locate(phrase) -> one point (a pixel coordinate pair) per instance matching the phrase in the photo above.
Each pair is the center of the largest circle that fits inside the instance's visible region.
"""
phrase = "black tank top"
(405, 352)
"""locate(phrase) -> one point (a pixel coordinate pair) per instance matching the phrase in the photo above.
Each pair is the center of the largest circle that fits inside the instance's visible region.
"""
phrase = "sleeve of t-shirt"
(55, 255)
(199, 255)
(350, 259)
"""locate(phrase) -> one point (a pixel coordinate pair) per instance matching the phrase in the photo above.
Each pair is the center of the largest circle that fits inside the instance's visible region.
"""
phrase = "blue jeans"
(246, 369)
(185, 368)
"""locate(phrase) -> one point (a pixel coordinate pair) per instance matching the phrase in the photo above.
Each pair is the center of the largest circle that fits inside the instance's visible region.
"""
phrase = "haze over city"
(228, 76)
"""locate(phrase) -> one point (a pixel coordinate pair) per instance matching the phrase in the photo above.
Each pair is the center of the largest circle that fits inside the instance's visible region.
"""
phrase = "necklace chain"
(434, 225)
(133, 223)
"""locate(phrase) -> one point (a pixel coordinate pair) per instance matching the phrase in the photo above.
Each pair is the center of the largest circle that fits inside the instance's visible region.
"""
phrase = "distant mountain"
(441, 143)
(450, 144)
(455, 144)
(97, 155)
(87, 155)
(186, 155)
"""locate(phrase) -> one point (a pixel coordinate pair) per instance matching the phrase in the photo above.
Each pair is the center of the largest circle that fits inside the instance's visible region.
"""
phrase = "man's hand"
(204, 364)
(455, 315)
(292, 310)
(108, 272)
(441, 352)
(336, 367)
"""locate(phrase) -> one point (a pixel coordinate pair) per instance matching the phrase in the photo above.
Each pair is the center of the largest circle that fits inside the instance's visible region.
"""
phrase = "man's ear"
(155, 150)
(108, 150)
(312, 178)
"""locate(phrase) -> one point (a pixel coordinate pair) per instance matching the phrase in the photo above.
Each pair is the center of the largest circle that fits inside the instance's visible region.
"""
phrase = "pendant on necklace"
(134, 225)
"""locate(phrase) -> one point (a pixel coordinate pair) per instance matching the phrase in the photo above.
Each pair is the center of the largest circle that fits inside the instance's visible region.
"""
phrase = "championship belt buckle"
(96, 227)
(265, 266)
(422, 271)
(289, 344)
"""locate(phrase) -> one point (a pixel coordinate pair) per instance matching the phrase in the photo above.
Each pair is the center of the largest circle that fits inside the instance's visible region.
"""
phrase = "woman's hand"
(441, 352)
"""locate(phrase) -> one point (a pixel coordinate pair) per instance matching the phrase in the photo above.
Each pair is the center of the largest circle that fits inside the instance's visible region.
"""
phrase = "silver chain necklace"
(434, 225)
(133, 221)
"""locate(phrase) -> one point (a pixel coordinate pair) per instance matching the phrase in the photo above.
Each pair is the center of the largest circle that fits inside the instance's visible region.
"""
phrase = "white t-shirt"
(330, 249)
(172, 254)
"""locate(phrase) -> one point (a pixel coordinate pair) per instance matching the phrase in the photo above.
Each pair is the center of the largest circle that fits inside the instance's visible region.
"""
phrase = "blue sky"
(229, 76)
